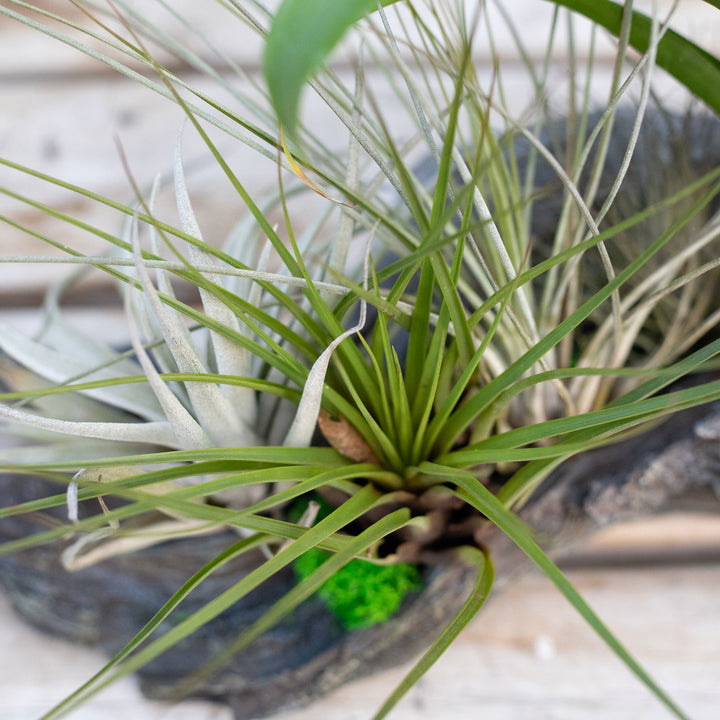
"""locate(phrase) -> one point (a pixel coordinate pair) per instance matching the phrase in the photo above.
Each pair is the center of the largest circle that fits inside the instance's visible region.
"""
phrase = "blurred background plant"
(421, 354)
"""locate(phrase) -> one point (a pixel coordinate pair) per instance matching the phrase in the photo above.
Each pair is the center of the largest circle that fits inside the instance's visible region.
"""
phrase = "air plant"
(478, 358)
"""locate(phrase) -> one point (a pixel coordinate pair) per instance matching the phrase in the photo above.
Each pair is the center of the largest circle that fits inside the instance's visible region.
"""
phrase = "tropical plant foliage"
(417, 322)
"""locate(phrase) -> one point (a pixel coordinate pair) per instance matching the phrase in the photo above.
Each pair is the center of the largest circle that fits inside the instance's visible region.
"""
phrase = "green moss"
(361, 594)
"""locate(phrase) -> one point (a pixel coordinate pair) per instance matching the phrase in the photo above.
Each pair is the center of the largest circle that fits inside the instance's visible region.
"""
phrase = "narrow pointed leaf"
(483, 500)
(470, 608)
(695, 68)
(302, 36)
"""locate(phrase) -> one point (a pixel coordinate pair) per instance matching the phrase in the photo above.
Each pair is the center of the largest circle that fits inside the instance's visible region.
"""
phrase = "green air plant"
(420, 352)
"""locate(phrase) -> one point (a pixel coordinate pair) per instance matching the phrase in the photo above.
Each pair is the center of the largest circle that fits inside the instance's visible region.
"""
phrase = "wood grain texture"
(526, 657)
(63, 114)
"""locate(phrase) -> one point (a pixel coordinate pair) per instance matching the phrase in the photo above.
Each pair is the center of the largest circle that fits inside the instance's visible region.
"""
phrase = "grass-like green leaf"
(695, 68)
(88, 688)
(354, 548)
(476, 599)
(527, 477)
(305, 32)
(474, 492)
(472, 409)
(353, 507)
(302, 36)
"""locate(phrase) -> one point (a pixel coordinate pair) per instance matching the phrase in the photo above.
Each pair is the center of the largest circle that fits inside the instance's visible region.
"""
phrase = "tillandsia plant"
(345, 418)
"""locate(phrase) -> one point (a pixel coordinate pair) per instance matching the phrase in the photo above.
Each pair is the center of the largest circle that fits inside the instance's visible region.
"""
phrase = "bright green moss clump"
(361, 594)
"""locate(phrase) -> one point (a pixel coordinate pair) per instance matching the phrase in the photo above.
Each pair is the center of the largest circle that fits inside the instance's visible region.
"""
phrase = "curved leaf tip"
(301, 38)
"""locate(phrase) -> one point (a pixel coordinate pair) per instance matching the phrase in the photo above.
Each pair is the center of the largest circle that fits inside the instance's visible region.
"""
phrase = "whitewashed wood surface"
(62, 113)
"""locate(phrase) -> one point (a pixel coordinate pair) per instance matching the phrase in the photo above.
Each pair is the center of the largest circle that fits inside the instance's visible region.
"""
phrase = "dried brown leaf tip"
(345, 438)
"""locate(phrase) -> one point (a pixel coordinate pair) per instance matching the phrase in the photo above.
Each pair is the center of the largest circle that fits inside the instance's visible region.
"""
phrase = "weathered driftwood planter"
(675, 466)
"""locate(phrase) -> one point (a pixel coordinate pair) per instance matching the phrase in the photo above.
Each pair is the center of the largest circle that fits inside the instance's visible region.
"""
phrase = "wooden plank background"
(62, 113)
(526, 656)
